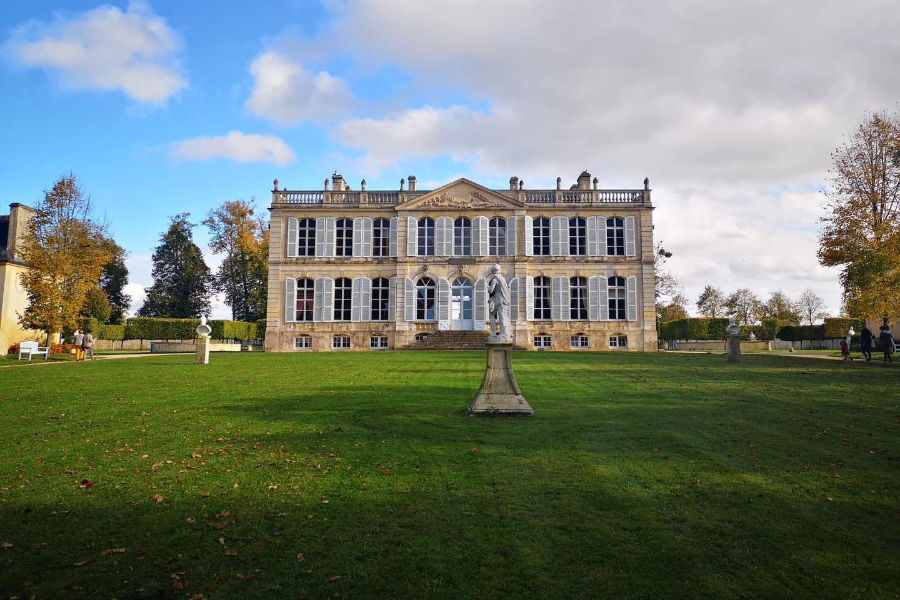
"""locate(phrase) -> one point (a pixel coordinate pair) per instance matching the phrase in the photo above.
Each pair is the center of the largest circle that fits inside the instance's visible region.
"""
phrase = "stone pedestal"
(499, 393)
(733, 348)
(202, 357)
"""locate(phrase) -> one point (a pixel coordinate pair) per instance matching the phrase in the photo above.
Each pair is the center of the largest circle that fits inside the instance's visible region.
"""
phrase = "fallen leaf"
(85, 484)
(191, 519)
(333, 578)
(300, 557)
(157, 497)
(113, 551)
(231, 552)
(6, 545)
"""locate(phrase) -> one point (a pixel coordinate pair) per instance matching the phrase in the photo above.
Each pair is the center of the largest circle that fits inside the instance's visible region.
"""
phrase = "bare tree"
(711, 302)
(811, 307)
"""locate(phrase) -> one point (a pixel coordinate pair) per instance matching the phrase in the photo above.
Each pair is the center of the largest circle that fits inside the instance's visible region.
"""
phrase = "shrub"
(261, 329)
(232, 330)
(147, 328)
(838, 328)
(796, 333)
(702, 328)
(111, 332)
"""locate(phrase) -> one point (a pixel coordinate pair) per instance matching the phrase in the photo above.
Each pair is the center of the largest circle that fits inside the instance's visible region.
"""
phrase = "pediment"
(461, 194)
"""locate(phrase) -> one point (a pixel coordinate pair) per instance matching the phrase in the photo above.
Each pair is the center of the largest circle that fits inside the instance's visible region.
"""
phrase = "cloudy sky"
(732, 109)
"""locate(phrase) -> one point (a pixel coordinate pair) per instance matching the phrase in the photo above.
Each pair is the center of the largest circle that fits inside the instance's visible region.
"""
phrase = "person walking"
(88, 344)
(865, 343)
(887, 343)
(78, 340)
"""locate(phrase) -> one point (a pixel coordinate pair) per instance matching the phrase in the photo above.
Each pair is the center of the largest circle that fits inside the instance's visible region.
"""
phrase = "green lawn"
(360, 474)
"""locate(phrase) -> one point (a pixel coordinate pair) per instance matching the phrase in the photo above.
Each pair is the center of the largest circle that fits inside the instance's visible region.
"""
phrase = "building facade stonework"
(13, 299)
(371, 270)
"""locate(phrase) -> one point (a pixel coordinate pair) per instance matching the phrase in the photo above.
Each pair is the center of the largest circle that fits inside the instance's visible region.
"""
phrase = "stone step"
(452, 340)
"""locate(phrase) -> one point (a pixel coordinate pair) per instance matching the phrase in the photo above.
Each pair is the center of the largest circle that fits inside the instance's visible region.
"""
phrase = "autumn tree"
(811, 307)
(782, 308)
(96, 305)
(181, 280)
(65, 250)
(711, 302)
(744, 305)
(861, 231)
(113, 281)
(674, 309)
(243, 239)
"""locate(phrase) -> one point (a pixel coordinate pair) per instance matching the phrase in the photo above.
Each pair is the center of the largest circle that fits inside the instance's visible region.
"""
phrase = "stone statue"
(733, 342)
(498, 305)
(733, 328)
(202, 344)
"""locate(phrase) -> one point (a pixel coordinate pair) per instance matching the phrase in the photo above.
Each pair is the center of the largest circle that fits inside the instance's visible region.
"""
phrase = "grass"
(360, 474)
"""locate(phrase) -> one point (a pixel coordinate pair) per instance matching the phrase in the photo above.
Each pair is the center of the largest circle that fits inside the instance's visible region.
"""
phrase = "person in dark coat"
(865, 343)
(887, 342)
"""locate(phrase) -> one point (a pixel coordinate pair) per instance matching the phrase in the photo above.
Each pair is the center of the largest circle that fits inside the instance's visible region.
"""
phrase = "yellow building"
(368, 269)
(12, 295)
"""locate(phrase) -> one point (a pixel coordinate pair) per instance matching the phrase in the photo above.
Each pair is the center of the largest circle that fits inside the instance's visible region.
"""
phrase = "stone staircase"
(452, 340)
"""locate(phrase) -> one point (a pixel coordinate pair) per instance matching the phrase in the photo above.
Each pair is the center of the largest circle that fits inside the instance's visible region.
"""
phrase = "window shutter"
(559, 236)
(365, 299)
(559, 298)
(529, 298)
(443, 303)
(514, 299)
(320, 236)
(592, 237)
(290, 300)
(528, 232)
(480, 308)
(367, 237)
(356, 300)
(511, 236)
(630, 249)
(327, 298)
(476, 237)
(329, 236)
(412, 235)
(392, 249)
(594, 299)
(292, 237)
(601, 236)
(392, 299)
(443, 236)
(318, 299)
(448, 236)
(358, 236)
(631, 297)
(409, 305)
(603, 298)
(483, 231)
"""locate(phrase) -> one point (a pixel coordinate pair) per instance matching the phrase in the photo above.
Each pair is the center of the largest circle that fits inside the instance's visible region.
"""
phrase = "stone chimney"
(584, 181)
(513, 183)
(402, 184)
(339, 184)
(20, 217)
(412, 183)
(559, 183)
(596, 181)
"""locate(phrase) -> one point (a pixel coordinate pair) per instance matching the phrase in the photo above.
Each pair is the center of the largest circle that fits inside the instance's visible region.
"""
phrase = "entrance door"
(461, 304)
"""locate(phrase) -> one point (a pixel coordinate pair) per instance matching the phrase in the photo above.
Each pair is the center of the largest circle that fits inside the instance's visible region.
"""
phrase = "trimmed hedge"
(146, 328)
(232, 330)
(714, 329)
(838, 328)
(261, 329)
(112, 332)
(702, 328)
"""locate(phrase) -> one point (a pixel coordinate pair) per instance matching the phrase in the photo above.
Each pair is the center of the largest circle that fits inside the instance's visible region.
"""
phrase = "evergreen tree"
(181, 279)
(113, 282)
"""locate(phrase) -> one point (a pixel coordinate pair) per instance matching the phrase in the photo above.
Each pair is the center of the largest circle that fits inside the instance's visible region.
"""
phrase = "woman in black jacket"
(865, 343)
(887, 342)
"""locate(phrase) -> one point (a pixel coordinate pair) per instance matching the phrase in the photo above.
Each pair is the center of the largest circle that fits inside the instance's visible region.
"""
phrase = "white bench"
(30, 349)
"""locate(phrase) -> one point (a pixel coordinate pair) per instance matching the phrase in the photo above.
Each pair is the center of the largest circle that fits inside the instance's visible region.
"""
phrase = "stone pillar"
(733, 347)
(202, 357)
(499, 392)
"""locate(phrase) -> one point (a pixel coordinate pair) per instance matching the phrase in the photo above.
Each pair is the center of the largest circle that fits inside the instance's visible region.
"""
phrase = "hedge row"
(100, 330)
(261, 329)
(145, 328)
(705, 328)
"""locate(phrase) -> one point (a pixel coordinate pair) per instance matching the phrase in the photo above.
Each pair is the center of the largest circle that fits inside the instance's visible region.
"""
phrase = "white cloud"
(236, 146)
(133, 51)
(285, 92)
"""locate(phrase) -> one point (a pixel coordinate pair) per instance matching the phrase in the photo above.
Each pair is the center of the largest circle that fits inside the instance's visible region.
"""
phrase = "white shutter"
(483, 235)
(292, 237)
(412, 235)
(529, 298)
(318, 299)
(559, 236)
(392, 245)
(559, 299)
(356, 299)
(528, 232)
(480, 309)
(320, 236)
(631, 297)
(358, 236)
(594, 298)
(329, 236)
(392, 299)
(443, 303)
(367, 237)
(290, 300)
(514, 299)
(443, 236)
(327, 299)
(629, 237)
(476, 237)
(409, 297)
(365, 300)
(511, 236)
(592, 237)
(601, 236)
(603, 298)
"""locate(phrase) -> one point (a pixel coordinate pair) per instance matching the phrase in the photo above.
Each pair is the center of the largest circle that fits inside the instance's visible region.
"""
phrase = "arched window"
(541, 229)
(542, 298)
(615, 237)
(577, 236)
(426, 236)
(425, 299)
(578, 300)
(306, 237)
(617, 299)
(342, 299)
(461, 304)
(304, 300)
(497, 236)
(462, 236)
(380, 299)
(381, 237)
(343, 239)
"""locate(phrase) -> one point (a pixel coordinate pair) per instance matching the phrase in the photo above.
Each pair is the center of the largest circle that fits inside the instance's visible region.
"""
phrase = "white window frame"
(580, 341)
(618, 341)
(302, 342)
(378, 342)
(340, 342)
(542, 341)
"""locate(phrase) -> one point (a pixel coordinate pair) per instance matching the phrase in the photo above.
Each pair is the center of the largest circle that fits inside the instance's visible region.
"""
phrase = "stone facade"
(368, 269)
(13, 299)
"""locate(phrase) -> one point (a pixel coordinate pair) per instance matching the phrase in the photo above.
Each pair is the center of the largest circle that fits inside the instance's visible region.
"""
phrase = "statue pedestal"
(733, 348)
(499, 393)
(202, 357)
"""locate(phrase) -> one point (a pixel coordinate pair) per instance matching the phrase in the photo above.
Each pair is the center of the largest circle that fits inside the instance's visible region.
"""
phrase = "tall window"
(304, 300)
(380, 299)
(306, 237)
(343, 241)
(497, 236)
(381, 237)
(462, 237)
(617, 299)
(577, 236)
(426, 236)
(425, 299)
(541, 228)
(342, 299)
(578, 299)
(542, 298)
(615, 237)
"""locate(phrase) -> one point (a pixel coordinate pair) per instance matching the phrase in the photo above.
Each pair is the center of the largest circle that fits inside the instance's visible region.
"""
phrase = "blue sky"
(732, 111)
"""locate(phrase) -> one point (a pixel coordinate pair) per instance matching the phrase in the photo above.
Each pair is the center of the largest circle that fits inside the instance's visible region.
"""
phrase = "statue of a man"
(732, 328)
(498, 304)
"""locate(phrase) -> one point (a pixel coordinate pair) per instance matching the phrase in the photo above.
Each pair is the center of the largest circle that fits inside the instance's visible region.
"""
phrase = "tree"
(781, 308)
(64, 249)
(666, 283)
(243, 275)
(675, 309)
(96, 305)
(181, 280)
(744, 305)
(711, 302)
(861, 232)
(811, 307)
(113, 281)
